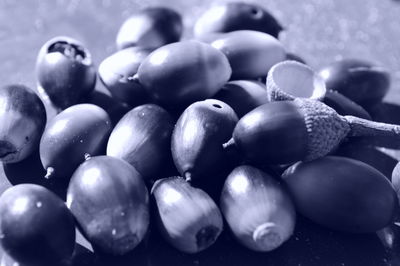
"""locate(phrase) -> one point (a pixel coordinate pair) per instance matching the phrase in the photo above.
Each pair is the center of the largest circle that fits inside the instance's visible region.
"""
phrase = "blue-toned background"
(318, 31)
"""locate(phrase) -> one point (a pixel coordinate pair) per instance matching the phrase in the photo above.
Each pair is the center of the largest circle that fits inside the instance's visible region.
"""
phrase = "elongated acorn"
(235, 16)
(187, 217)
(181, 73)
(288, 80)
(342, 194)
(143, 139)
(77, 131)
(258, 209)
(303, 129)
(22, 121)
(150, 27)
(117, 71)
(65, 71)
(344, 106)
(361, 81)
(198, 137)
(243, 95)
(250, 53)
(110, 202)
(370, 155)
(36, 228)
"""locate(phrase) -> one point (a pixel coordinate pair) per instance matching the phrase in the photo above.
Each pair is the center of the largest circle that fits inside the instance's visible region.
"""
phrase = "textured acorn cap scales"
(290, 79)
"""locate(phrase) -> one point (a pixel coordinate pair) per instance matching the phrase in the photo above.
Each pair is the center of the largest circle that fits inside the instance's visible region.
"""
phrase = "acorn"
(65, 71)
(342, 194)
(344, 106)
(22, 121)
(187, 217)
(150, 27)
(117, 71)
(110, 202)
(250, 53)
(395, 178)
(370, 155)
(198, 137)
(76, 132)
(36, 228)
(288, 80)
(181, 73)
(257, 208)
(227, 17)
(303, 129)
(143, 139)
(361, 81)
(243, 95)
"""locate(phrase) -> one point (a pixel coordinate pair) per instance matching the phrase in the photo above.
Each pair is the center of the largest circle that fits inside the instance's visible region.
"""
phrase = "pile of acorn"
(225, 128)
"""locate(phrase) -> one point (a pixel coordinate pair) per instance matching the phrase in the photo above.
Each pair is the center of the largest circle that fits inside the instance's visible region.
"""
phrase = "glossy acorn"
(187, 217)
(76, 132)
(150, 27)
(22, 121)
(117, 72)
(110, 202)
(198, 136)
(243, 95)
(361, 81)
(344, 106)
(288, 80)
(36, 228)
(342, 194)
(250, 53)
(285, 132)
(65, 71)
(179, 74)
(257, 208)
(234, 16)
(143, 139)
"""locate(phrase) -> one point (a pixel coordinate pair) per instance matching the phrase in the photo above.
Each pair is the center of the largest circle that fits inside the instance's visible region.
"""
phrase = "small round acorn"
(150, 27)
(187, 217)
(22, 121)
(235, 16)
(303, 129)
(65, 71)
(290, 79)
(257, 208)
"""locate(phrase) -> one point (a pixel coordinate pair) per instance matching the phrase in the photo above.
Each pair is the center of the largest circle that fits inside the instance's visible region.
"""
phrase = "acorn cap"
(325, 127)
(290, 79)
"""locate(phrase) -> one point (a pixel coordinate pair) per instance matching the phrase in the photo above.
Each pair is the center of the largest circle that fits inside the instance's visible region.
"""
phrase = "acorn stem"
(206, 236)
(229, 144)
(267, 236)
(49, 172)
(366, 128)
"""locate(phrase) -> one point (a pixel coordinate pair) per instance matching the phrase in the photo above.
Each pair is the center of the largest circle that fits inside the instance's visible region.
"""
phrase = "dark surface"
(318, 31)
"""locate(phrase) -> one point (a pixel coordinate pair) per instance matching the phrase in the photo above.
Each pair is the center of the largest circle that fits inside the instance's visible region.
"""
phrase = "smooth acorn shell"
(150, 27)
(198, 137)
(78, 130)
(234, 16)
(143, 139)
(257, 208)
(117, 71)
(344, 106)
(179, 74)
(243, 95)
(22, 121)
(36, 228)
(342, 194)
(110, 202)
(273, 133)
(250, 53)
(188, 218)
(359, 80)
(65, 71)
